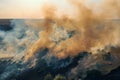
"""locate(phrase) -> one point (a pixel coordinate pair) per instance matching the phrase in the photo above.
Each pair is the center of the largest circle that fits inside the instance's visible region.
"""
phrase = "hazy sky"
(30, 8)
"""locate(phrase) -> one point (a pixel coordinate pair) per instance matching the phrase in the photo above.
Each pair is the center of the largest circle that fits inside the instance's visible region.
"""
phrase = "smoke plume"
(91, 28)
(94, 29)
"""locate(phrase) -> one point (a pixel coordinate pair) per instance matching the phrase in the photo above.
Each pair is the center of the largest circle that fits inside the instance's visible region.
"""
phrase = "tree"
(48, 77)
(59, 77)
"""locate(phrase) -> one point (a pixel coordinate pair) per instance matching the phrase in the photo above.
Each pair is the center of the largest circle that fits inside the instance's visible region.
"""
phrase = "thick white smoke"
(16, 42)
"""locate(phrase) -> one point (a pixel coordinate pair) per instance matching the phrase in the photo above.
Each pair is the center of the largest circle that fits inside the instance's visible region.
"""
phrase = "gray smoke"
(13, 44)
